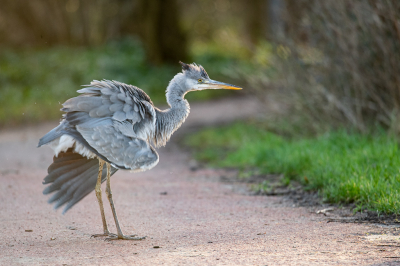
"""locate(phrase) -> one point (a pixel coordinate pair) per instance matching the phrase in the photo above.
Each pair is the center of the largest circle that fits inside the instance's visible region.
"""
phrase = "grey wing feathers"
(121, 150)
(117, 120)
(72, 177)
(121, 102)
(51, 135)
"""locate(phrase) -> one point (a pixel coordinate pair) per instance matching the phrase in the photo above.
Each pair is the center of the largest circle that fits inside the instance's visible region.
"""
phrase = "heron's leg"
(109, 195)
(100, 200)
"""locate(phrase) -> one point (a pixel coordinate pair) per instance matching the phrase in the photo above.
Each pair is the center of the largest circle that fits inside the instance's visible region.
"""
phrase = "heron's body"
(117, 124)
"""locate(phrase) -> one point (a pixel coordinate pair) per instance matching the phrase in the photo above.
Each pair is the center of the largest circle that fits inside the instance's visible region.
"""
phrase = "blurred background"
(331, 67)
(331, 61)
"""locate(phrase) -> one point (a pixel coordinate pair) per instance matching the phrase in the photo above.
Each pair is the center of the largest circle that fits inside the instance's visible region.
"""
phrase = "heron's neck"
(168, 121)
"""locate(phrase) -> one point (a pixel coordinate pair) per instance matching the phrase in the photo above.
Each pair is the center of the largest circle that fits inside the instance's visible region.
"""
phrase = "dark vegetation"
(47, 23)
(338, 64)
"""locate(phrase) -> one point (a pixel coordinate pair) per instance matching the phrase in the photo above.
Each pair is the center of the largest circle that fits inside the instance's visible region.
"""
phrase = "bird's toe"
(124, 237)
(104, 234)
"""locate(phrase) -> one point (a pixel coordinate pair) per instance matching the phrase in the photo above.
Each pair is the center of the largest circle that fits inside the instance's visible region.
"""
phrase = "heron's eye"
(200, 80)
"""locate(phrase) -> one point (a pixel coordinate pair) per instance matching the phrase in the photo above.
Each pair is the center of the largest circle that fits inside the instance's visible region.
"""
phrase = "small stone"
(29, 230)
(156, 247)
(193, 165)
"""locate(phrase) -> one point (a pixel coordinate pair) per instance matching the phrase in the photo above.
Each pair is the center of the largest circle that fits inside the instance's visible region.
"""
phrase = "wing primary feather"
(72, 186)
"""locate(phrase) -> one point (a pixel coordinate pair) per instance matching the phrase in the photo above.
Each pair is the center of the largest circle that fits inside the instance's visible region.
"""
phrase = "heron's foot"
(124, 237)
(105, 234)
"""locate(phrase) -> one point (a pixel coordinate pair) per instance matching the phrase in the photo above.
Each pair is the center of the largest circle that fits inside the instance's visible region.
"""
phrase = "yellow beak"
(213, 84)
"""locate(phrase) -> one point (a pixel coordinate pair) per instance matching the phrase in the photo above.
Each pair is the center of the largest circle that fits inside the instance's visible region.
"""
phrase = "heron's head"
(196, 79)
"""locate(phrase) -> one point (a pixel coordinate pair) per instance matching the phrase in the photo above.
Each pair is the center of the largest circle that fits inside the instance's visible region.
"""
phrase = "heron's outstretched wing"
(122, 151)
(118, 101)
(116, 120)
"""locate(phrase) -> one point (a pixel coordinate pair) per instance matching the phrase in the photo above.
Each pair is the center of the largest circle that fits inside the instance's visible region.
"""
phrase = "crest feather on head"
(194, 70)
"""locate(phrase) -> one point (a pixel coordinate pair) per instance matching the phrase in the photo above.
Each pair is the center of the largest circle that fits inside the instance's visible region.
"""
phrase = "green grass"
(344, 167)
(34, 83)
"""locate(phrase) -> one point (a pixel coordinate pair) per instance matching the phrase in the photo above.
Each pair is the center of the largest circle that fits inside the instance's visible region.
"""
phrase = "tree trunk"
(164, 40)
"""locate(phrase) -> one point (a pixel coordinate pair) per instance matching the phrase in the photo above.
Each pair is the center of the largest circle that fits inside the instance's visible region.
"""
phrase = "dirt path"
(189, 215)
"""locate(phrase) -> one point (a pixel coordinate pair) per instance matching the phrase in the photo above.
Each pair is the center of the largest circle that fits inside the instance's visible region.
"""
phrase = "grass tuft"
(345, 167)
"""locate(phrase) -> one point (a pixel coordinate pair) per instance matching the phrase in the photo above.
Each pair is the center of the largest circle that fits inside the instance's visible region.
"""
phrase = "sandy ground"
(189, 217)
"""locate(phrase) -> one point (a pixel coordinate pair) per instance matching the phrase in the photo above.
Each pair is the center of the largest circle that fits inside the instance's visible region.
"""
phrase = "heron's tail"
(72, 176)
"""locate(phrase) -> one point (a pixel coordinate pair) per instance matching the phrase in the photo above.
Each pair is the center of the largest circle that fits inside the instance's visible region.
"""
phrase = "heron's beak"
(213, 84)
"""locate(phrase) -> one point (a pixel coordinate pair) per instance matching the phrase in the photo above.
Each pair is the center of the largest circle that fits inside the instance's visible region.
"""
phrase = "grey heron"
(114, 126)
